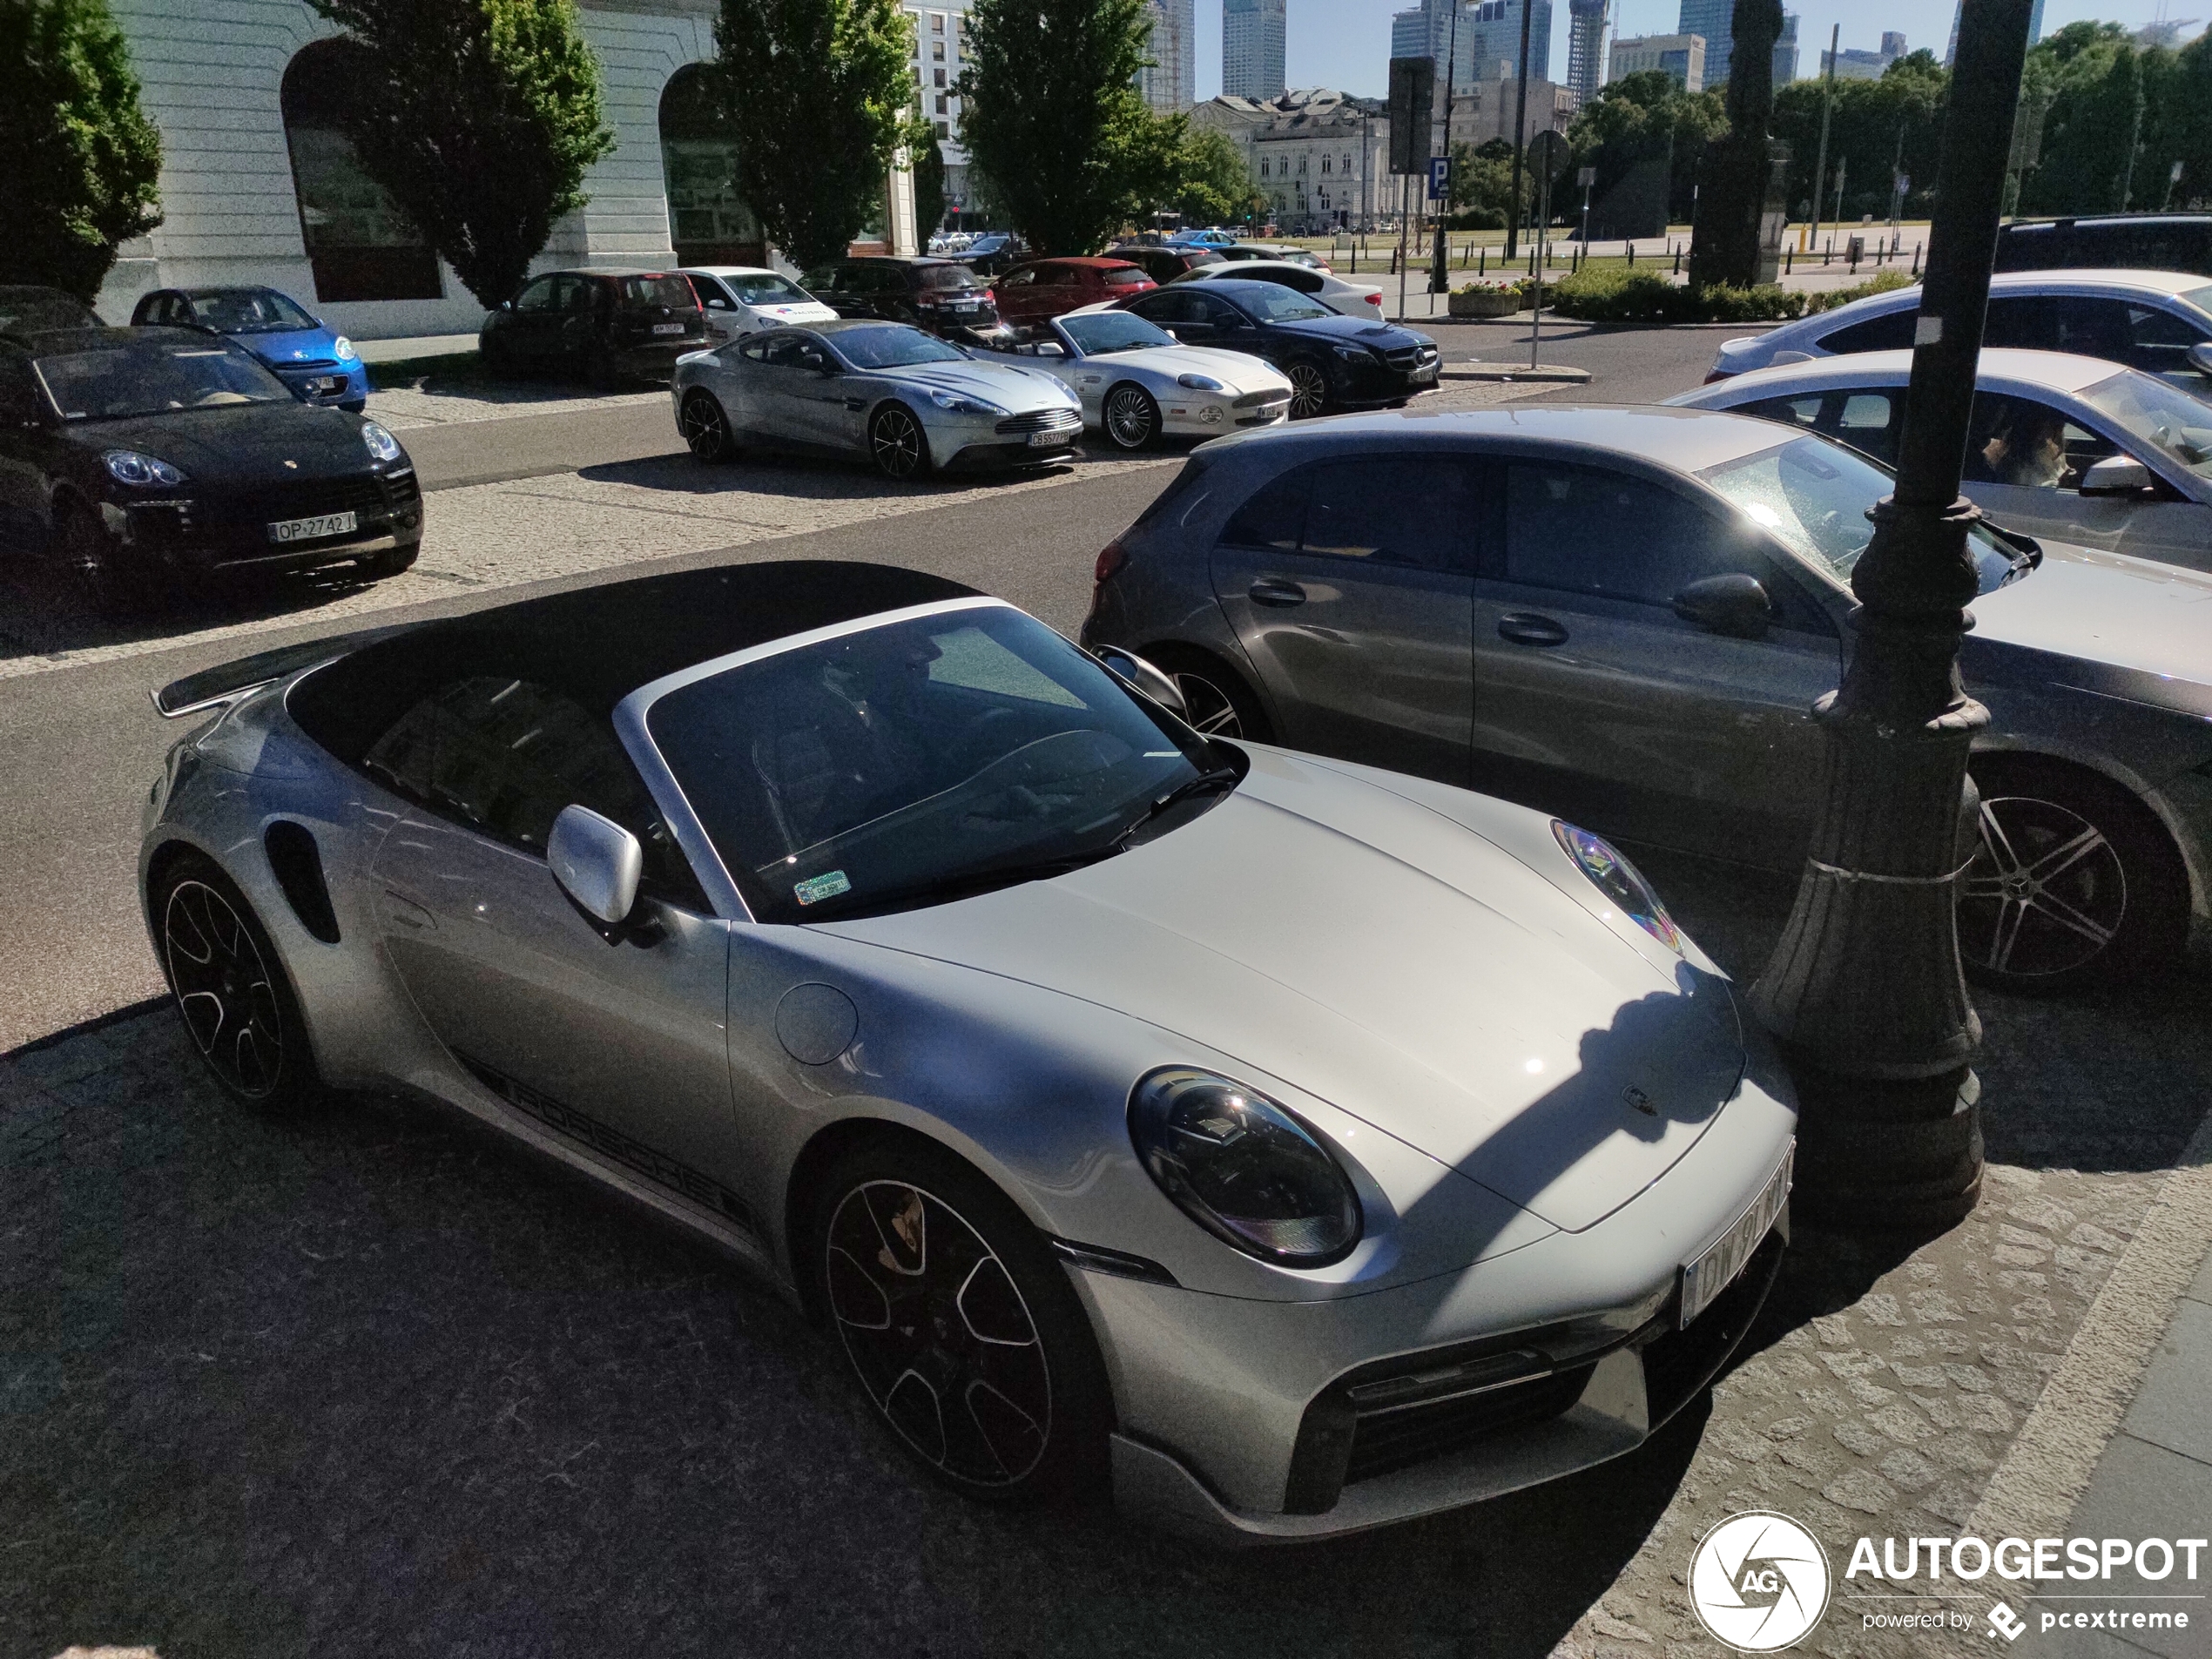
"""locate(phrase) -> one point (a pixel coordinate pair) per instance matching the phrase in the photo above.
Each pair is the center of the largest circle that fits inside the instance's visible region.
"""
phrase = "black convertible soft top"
(596, 645)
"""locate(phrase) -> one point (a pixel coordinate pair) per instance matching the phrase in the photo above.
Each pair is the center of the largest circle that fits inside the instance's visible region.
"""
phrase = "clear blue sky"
(1346, 43)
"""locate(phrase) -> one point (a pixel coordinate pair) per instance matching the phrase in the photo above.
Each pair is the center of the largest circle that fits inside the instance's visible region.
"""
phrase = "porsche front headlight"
(1618, 880)
(140, 471)
(1244, 1167)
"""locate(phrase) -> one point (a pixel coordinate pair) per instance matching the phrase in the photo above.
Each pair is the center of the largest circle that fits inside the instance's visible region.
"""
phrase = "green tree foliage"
(480, 118)
(1212, 184)
(1644, 115)
(1052, 113)
(818, 93)
(928, 161)
(1725, 243)
(1868, 120)
(1482, 198)
(79, 161)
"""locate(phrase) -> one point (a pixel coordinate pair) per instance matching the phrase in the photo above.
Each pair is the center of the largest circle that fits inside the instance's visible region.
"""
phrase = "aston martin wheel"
(2073, 880)
(899, 447)
(707, 429)
(1130, 418)
(1309, 389)
(959, 1324)
(230, 986)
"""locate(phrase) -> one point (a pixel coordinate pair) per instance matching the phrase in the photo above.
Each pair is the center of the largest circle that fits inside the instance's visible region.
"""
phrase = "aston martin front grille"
(1042, 420)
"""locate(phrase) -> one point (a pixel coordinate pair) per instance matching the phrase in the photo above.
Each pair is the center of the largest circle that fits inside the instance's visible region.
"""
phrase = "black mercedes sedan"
(1333, 361)
(142, 459)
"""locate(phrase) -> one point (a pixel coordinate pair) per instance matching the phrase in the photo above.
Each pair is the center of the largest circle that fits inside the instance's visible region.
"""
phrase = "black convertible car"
(137, 458)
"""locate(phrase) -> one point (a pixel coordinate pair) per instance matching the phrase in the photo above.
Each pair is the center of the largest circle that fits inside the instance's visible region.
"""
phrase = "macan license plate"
(308, 529)
(1716, 1266)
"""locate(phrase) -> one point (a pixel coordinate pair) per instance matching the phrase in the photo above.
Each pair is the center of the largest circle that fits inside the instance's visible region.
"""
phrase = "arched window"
(708, 222)
(358, 243)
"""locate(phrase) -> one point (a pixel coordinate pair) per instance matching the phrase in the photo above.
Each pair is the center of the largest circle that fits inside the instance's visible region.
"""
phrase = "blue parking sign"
(1440, 177)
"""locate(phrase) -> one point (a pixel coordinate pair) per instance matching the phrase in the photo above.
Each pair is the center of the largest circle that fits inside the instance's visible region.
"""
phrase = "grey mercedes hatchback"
(1624, 616)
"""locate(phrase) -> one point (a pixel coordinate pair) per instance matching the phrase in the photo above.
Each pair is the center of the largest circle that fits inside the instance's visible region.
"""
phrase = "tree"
(1724, 246)
(480, 118)
(1873, 126)
(1211, 184)
(1482, 185)
(819, 94)
(928, 162)
(1052, 113)
(79, 161)
(1644, 129)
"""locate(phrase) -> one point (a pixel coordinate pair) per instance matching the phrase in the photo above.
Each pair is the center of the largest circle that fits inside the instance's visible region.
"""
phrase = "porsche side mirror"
(597, 864)
(2115, 476)
(2200, 357)
(1734, 604)
(1141, 676)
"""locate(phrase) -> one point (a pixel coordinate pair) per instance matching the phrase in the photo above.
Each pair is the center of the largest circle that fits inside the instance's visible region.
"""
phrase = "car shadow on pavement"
(42, 616)
(789, 476)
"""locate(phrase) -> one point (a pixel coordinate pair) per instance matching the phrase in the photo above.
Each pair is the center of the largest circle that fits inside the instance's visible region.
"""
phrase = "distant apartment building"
(1586, 48)
(940, 39)
(1321, 157)
(1714, 21)
(1854, 64)
(1488, 108)
(1251, 47)
(1170, 82)
(1683, 57)
(1786, 50)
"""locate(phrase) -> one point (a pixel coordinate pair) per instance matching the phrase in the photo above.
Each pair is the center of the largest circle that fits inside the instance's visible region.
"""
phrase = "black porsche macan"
(139, 458)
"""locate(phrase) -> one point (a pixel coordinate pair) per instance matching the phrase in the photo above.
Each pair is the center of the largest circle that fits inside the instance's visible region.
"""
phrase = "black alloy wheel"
(1309, 389)
(898, 444)
(98, 565)
(706, 428)
(959, 1324)
(2072, 881)
(1130, 418)
(230, 989)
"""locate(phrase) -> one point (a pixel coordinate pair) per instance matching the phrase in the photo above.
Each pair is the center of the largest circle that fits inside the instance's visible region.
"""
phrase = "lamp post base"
(1887, 1156)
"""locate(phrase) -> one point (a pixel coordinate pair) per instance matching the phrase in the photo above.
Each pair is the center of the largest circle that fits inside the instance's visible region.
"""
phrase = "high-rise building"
(1497, 35)
(1170, 82)
(1427, 32)
(1786, 50)
(1855, 64)
(1585, 48)
(1680, 56)
(1716, 21)
(1251, 47)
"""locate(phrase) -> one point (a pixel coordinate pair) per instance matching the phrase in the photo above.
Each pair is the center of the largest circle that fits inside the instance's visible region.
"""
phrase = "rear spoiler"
(230, 681)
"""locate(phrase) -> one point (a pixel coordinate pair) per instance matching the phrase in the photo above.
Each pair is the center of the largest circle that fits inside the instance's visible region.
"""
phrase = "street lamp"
(1864, 992)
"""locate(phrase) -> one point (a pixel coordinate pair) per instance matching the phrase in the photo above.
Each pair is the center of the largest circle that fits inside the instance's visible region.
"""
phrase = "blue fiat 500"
(318, 365)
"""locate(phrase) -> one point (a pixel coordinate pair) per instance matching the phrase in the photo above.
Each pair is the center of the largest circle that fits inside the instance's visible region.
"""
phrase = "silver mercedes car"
(864, 925)
(905, 400)
(1625, 615)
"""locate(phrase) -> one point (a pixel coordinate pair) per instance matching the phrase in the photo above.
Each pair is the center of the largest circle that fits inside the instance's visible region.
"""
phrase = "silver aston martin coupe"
(1297, 1146)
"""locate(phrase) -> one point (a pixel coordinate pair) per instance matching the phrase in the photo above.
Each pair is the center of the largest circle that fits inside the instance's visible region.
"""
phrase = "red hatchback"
(1046, 289)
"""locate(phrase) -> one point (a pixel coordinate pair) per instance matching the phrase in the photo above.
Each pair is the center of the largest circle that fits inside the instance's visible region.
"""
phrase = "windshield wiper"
(1219, 778)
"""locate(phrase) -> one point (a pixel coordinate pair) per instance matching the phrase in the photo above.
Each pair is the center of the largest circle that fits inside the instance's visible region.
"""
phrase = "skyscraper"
(1427, 32)
(1171, 82)
(1585, 48)
(1715, 20)
(1251, 47)
(1497, 34)
(1786, 50)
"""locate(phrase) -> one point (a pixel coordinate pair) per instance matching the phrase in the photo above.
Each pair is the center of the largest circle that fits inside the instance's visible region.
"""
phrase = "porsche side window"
(1594, 531)
(1868, 421)
(1791, 411)
(1393, 510)
(2159, 341)
(503, 756)
(536, 297)
(2028, 445)
(1892, 332)
(1274, 518)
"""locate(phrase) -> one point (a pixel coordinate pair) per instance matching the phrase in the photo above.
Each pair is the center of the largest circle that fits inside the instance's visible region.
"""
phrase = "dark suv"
(935, 294)
(1161, 263)
(606, 325)
(2116, 242)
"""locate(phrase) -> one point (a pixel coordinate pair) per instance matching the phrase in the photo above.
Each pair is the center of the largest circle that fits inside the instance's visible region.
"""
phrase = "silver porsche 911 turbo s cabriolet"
(1299, 1146)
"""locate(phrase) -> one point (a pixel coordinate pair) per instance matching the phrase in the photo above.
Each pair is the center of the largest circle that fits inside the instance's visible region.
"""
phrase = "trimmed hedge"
(1646, 296)
(1882, 282)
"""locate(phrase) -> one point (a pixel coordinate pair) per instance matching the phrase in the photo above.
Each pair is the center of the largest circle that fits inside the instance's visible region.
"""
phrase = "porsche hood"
(1337, 934)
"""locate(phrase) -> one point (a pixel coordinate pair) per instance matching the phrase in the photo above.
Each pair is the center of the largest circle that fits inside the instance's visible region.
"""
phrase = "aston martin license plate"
(308, 529)
(1047, 439)
(1718, 1263)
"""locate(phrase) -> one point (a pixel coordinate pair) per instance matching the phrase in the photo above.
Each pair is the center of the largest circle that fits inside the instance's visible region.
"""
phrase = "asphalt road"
(1627, 365)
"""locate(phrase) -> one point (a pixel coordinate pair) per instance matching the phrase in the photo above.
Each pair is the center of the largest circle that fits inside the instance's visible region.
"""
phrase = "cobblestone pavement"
(370, 1380)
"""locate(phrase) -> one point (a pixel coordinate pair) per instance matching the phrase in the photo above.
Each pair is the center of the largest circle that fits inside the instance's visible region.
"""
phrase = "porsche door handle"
(1526, 628)
(1274, 590)
(400, 908)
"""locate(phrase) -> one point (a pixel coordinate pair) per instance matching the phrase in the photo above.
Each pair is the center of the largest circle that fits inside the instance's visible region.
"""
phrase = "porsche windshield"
(1814, 495)
(2158, 413)
(149, 377)
(925, 760)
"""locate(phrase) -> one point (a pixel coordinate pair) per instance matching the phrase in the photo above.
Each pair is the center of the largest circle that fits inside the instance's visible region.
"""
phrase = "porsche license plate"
(309, 529)
(668, 328)
(1716, 1267)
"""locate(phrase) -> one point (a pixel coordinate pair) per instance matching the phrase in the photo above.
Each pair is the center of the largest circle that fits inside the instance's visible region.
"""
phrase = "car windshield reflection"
(149, 377)
(920, 761)
(892, 346)
(1101, 336)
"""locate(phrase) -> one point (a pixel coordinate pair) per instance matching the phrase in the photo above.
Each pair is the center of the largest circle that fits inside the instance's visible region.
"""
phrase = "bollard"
(1482, 261)
(1678, 259)
(1916, 258)
(1632, 253)
(1788, 258)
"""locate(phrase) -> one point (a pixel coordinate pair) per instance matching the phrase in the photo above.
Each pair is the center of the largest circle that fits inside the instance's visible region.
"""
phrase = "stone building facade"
(1321, 157)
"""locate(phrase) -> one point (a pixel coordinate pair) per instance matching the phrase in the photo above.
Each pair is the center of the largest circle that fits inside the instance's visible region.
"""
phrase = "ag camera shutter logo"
(1758, 1582)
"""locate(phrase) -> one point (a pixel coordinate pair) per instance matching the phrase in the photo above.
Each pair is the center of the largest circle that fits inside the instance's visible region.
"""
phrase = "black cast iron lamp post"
(1864, 991)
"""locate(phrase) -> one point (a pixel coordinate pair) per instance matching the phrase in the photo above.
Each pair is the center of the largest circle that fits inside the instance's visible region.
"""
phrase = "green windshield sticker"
(818, 887)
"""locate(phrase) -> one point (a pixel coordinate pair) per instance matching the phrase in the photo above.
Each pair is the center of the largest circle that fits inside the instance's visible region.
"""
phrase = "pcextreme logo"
(1758, 1582)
